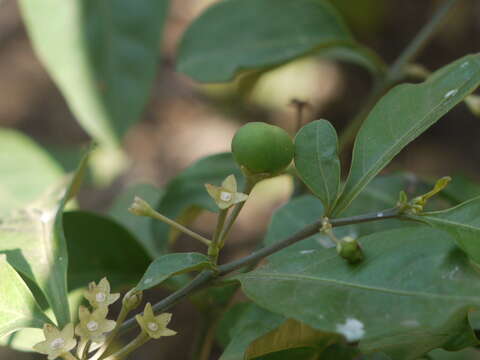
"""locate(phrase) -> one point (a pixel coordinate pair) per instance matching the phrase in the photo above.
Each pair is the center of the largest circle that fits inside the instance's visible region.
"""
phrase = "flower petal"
(230, 183)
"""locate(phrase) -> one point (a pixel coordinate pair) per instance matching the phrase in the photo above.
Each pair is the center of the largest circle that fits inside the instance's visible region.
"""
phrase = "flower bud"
(140, 207)
(349, 249)
(132, 299)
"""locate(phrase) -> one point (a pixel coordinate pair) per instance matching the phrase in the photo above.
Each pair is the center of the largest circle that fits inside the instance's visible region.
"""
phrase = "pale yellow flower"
(94, 325)
(56, 342)
(99, 295)
(155, 326)
(226, 195)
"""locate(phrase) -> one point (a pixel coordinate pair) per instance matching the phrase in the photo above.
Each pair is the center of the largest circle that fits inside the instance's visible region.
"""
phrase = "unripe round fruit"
(262, 148)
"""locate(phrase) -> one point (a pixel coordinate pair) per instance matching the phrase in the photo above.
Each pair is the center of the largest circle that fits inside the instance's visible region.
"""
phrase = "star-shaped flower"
(99, 295)
(94, 325)
(56, 342)
(154, 326)
(226, 195)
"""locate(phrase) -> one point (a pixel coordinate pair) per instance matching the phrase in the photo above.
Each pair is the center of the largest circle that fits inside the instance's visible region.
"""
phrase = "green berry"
(262, 148)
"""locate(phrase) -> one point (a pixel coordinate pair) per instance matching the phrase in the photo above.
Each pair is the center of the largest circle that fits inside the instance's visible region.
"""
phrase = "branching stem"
(397, 70)
(207, 276)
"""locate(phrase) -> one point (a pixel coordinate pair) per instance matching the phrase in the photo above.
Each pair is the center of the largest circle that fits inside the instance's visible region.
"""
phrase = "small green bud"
(132, 299)
(226, 195)
(140, 207)
(349, 249)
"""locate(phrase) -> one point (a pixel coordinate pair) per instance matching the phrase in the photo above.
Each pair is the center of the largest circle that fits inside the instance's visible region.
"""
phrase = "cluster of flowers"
(94, 325)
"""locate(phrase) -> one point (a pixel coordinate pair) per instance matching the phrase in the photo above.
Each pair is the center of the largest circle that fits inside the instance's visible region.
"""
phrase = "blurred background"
(185, 121)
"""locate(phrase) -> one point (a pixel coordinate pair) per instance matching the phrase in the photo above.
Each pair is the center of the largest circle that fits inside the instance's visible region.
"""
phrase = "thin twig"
(397, 70)
(206, 276)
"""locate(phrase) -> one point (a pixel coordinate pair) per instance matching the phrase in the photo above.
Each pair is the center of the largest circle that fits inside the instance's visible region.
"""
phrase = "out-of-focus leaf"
(166, 266)
(100, 247)
(272, 33)
(34, 243)
(317, 161)
(403, 114)
(411, 294)
(27, 171)
(103, 56)
(138, 225)
(25, 339)
(18, 308)
(187, 190)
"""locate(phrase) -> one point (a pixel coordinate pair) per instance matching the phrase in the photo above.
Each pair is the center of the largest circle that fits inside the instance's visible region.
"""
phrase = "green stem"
(121, 318)
(68, 356)
(140, 340)
(250, 184)
(397, 70)
(174, 224)
(208, 276)
(216, 244)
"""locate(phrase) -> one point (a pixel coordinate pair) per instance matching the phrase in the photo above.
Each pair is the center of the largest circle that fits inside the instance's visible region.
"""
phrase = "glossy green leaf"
(291, 334)
(273, 32)
(103, 56)
(317, 161)
(403, 114)
(101, 247)
(187, 191)
(138, 225)
(34, 243)
(462, 222)
(253, 323)
(18, 308)
(27, 171)
(410, 295)
(166, 266)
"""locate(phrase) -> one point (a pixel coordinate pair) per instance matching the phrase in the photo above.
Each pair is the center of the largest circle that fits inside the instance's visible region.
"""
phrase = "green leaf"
(187, 190)
(461, 189)
(18, 308)
(411, 295)
(466, 354)
(462, 222)
(253, 323)
(34, 243)
(228, 322)
(301, 211)
(170, 265)
(403, 114)
(102, 55)
(317, 162)
(273, 32)
(22, 160)
(138, 225)
(291, 334)
(100, 247)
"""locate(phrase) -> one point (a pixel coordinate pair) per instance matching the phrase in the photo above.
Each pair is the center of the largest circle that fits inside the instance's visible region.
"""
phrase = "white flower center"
(225, 196)
(92, 325)
(152, 326)
(100, 297)
(57, 343)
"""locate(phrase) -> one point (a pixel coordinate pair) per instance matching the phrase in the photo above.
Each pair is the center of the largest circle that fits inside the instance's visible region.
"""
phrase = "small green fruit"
(262, 148)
